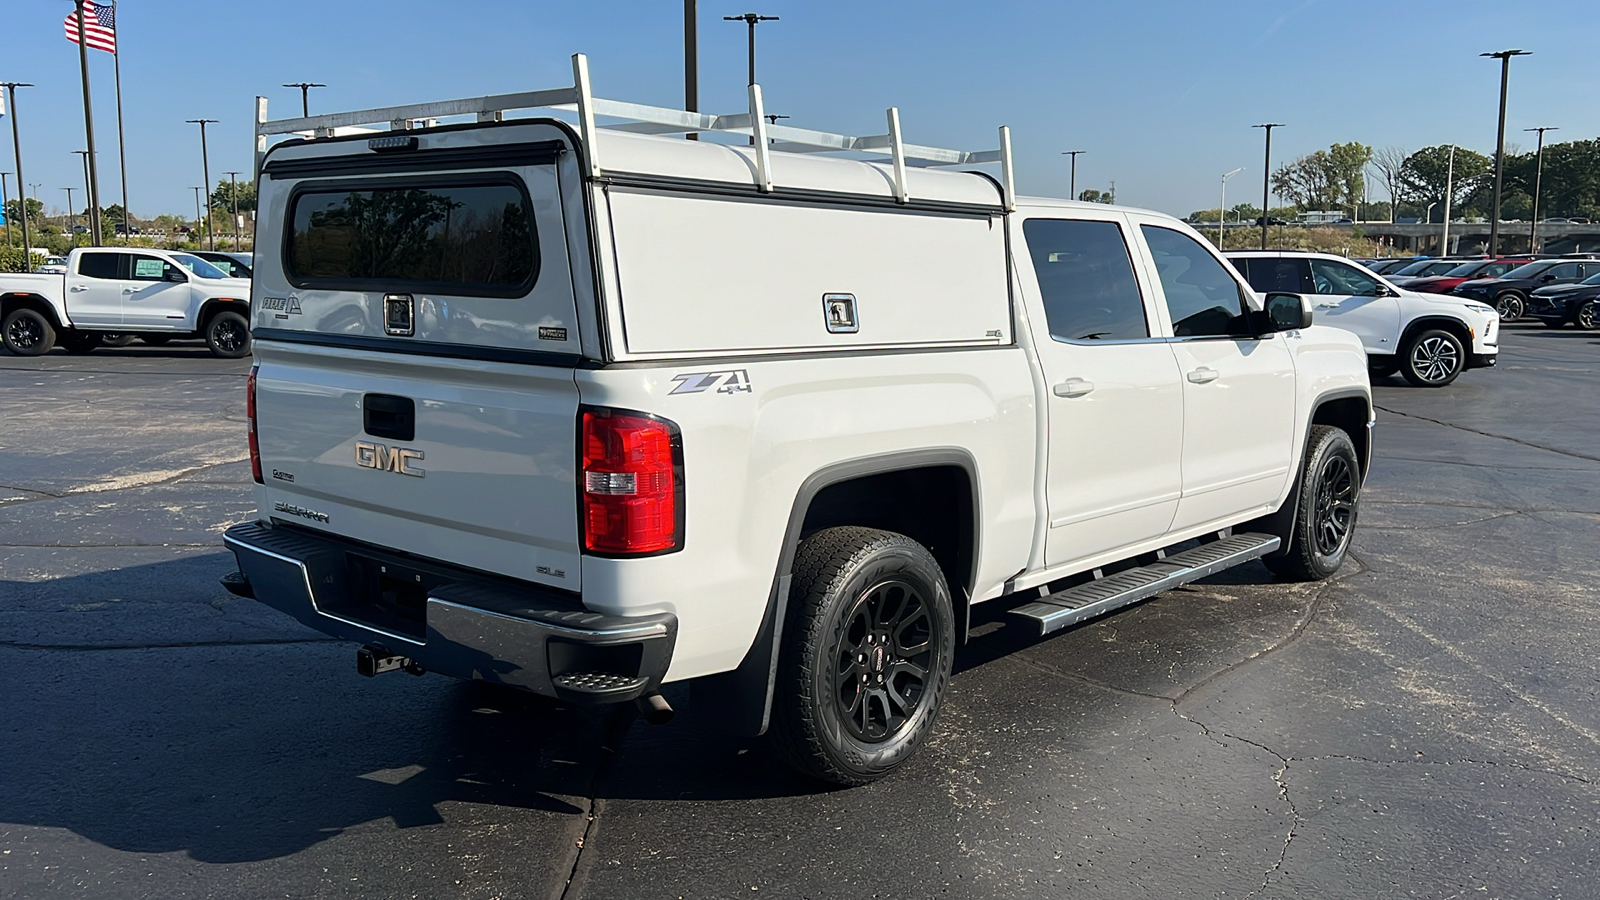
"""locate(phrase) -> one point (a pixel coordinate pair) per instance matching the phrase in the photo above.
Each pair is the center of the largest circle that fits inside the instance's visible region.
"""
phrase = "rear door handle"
(78, 288)
(1204, 375)
(129, 291)
(1327, 306)
(1073, 387)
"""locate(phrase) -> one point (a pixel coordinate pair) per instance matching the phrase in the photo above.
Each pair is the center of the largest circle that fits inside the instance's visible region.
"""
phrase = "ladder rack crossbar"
(638, 118)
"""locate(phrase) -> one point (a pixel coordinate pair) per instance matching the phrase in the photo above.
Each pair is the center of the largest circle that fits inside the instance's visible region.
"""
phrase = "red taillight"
(250, 413)
(632, 484)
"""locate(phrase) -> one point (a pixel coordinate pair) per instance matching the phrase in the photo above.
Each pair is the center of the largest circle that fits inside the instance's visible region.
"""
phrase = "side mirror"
(176, 277)
(1287, 312)
(1382, 290)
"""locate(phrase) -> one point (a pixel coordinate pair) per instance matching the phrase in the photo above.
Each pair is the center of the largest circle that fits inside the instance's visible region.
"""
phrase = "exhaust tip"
(655, 709)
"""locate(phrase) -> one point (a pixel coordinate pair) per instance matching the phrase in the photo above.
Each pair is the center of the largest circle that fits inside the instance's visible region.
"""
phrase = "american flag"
(101, 24)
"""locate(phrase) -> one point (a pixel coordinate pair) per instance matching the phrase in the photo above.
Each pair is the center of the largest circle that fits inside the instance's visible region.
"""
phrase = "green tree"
(222, 197)
(1425, 173)
(1327, 179)
(1093, 196)
(35, 212)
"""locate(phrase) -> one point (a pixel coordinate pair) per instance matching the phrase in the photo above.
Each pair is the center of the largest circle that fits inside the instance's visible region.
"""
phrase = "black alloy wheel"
(1510, 305)
(228, 335)
(882, 660)
(867, 644)
(1433, 359)
(1335, 506)
(1585, 315)
(27, 332)
(1326, 503)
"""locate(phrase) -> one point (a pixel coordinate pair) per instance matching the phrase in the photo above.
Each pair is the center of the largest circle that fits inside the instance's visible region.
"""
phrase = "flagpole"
(88, 129)
(122, 152)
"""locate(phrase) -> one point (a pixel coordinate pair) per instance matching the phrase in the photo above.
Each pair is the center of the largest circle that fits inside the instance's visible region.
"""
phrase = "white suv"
(1428, 338)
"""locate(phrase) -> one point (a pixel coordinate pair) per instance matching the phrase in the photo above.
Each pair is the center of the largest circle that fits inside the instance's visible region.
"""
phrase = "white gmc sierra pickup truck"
(155, 294)
(585, 411)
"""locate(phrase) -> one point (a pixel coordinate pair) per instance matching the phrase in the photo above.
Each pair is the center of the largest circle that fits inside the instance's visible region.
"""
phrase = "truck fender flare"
(1281, 521)
(744, 695)
(9, 302)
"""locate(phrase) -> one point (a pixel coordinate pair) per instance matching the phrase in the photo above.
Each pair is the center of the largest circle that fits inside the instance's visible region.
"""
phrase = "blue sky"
(1160, 94)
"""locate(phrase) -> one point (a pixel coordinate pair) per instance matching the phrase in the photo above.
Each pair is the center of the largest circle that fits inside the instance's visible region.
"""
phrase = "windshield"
(199, 266)
(1528, 270)
(1416, 268)
(1592, 279)
(1471, 268)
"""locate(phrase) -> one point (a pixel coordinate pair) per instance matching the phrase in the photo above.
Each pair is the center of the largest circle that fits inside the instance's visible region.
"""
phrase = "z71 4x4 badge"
(726, 381)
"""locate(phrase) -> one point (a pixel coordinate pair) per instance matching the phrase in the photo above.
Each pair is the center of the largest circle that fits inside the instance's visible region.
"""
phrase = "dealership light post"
(1449, 196)
(233, 192)
(16, 146)
(1073, 183)
(1222, 205)
(1266, 180)
(1500, 143)
(1538, 176)
(205, 165)
(196, 204)
(751, 19)
(88, 130)
(691, 60)
(305, 95)
(84, 155)
(5, 201)
(71, 217)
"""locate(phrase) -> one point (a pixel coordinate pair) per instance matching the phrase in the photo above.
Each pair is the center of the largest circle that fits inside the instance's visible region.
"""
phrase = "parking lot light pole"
(16, 147)
(5, 201)
(1072, 185)
(205, 166)
(196, 204)
(1538, 176)
(1266, 180)
(751, 19)
(305, 95)
(84, 155)
(233, 192)
(1222, 205)
(1500, 144)
(691, 60)
(71, 217)
(1449, 196)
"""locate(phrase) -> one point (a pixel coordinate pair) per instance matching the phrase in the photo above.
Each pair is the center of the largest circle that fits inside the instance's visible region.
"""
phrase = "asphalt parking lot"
(1425, 725)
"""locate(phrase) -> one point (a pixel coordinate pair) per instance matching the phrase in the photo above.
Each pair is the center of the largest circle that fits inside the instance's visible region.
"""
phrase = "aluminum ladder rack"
(641, 119)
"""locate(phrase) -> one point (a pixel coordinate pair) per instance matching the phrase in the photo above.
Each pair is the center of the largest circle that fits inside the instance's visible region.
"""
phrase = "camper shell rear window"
(468, 235)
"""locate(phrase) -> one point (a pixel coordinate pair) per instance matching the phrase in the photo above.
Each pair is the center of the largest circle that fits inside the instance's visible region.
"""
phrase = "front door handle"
(78, 289)
(129, 291)
(1327, 306)
(1073, 387)
(1204, 375)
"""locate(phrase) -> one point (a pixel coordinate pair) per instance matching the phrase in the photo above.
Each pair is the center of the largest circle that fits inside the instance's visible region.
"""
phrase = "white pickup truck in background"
(155, 294)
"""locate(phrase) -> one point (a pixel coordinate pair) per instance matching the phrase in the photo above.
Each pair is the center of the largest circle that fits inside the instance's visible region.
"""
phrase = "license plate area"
(385, 595)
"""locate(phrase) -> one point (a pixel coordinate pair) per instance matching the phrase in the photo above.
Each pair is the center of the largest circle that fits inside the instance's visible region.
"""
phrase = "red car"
(1478, 268)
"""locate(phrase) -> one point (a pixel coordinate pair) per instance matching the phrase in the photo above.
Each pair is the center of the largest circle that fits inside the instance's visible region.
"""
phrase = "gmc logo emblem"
(388, 459)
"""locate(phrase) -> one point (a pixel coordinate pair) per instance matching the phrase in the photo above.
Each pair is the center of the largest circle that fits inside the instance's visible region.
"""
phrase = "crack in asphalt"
(1489, 434)
(1476, 465)
(176, 645)
(620, 719)
(1502, 515)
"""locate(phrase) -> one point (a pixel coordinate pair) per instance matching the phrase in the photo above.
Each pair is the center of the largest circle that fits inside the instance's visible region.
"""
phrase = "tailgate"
(484, 480)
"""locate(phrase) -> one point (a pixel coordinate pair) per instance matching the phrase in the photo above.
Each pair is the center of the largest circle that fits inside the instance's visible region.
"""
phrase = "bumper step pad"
(1103, 595)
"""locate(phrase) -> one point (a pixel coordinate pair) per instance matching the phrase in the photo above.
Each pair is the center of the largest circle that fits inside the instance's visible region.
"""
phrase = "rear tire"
(1510, 305)
(228, 335)
(79, 341)
(1433, 358)
(27, 332)
(867, 645)
(112, 339)
(1383, 370)
(1329, 501)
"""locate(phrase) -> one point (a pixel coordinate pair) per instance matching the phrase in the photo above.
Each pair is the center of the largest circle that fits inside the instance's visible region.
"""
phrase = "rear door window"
(98, 265)
(1341, 279)
(472, 238)
(1086, 280)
